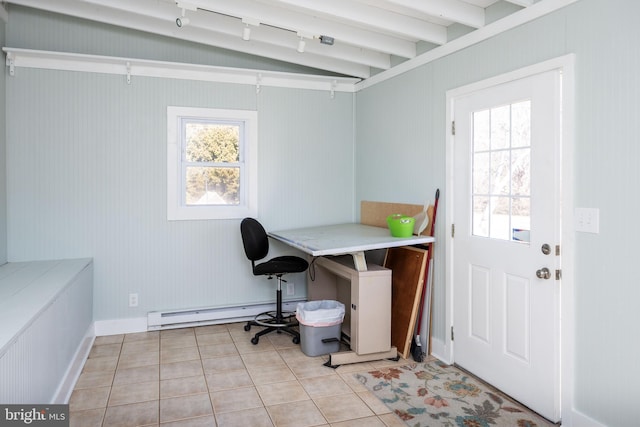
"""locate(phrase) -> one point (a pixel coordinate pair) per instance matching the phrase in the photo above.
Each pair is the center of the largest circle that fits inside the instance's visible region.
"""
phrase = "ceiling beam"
(299, 22)
(159, 18)
(369, 16)
(451, 10)
(393, 7)
(339, 51)
(501, 26)
(523, 3)
(261, 34)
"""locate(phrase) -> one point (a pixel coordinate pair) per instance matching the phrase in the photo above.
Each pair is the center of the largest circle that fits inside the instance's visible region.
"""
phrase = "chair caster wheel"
(247, 328)
(254, 340)
(296, 340)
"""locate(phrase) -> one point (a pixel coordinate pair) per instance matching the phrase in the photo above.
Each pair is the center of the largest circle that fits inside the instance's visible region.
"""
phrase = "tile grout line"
(264, 405)
(113, 380)
(159, 376)
(204, 377)
(279, 348)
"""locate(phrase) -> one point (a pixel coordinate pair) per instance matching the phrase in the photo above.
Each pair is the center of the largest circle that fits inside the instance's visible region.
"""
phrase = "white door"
(506, 190)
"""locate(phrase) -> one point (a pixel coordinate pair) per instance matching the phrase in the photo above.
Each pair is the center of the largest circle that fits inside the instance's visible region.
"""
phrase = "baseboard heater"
(157, 320)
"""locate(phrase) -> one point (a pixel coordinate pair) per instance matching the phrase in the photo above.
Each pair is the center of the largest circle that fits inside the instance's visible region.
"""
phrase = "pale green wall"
(407, 115)
(72, 180)
(3, 159)
(87, 178)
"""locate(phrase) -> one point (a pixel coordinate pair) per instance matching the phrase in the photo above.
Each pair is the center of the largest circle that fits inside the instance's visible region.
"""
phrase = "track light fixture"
(246, 31)
(182, 21)
(301, 44)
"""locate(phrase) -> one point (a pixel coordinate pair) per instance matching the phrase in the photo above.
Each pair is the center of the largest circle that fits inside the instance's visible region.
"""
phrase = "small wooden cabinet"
(366, 296)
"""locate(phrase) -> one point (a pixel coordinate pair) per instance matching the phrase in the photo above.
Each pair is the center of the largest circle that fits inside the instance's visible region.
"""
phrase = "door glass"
(502, 172)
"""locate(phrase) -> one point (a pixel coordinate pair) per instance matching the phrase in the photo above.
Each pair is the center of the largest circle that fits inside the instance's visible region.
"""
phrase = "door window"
(502, 172)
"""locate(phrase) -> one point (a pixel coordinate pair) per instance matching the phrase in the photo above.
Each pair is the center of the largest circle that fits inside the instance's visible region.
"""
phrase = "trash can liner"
(320, 313)
(317, 324)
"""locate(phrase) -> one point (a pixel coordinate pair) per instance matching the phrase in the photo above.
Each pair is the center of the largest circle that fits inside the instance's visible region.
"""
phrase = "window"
(211, 163)
(502, 172)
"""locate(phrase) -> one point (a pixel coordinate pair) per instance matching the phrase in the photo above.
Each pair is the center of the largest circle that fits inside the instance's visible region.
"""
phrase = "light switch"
(587, 220)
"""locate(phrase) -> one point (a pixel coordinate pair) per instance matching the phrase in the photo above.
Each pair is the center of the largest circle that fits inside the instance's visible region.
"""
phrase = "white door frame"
(445, 350)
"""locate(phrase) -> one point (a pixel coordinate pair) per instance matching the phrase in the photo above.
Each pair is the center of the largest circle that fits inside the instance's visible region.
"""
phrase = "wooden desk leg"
(347, 357)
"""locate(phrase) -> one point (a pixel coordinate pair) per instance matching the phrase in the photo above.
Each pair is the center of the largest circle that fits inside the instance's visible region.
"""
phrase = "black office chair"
(256, 246)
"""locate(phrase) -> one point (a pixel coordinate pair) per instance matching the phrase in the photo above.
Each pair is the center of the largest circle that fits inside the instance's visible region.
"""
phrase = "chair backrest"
(254, 239)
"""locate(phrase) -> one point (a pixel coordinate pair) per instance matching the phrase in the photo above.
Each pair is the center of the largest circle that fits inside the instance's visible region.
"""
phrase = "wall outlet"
(291, 288)
(587, 220)
(133, 300)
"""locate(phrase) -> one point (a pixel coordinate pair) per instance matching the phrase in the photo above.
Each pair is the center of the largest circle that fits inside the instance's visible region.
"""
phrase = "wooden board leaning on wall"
(408, 271)
(376, 213)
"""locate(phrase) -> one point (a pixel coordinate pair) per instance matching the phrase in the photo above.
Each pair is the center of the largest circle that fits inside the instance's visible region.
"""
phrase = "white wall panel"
(87, 167)
(306, 157)
(408, 113)
(607, 149)
(3, 160)
(87, 178)
(34, 361)
(70, 193)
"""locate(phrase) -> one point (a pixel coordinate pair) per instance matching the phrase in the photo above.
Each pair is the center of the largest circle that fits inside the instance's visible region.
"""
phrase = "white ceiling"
(369, 35)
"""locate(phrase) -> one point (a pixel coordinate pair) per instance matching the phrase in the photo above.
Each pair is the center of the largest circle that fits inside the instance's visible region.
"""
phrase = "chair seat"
(281, 265)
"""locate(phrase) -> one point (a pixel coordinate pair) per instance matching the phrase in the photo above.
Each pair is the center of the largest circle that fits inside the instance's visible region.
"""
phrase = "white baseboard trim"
(440, 351)
(68, 383)
(99, 328)
(186, 318)
(140, 324)
(578, 419)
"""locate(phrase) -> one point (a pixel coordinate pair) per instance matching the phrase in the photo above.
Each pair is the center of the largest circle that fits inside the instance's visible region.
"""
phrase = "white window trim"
(176, 210)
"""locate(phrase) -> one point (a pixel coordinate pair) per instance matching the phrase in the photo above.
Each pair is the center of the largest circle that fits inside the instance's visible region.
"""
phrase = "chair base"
(274, 321)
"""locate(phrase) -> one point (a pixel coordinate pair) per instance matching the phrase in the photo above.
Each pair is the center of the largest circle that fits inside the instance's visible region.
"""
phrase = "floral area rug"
(436, 394)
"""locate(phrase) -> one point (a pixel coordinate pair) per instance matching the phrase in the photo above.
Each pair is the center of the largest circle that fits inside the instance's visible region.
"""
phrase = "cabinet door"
(371, 312)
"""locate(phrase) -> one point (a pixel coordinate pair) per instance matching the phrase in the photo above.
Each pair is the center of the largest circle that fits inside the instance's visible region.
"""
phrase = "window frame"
(177, 209)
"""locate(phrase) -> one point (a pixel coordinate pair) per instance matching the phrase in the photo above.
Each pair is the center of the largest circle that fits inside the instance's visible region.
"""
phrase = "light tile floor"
(214, 376)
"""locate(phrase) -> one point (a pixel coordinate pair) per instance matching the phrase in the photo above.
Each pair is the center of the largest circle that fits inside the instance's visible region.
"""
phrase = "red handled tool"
(416, 348)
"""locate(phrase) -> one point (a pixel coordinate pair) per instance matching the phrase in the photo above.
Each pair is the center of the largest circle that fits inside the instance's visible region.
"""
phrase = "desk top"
(343, 239)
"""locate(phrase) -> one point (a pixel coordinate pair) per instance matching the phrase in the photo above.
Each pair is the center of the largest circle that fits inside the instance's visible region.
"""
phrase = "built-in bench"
(46, 312)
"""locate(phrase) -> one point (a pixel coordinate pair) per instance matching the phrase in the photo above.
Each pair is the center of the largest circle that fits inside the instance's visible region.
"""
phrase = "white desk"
(367, 291)
(341, 239)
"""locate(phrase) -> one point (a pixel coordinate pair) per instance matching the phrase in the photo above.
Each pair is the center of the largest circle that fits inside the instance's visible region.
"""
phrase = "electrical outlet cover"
(587, 220)
(133, 300)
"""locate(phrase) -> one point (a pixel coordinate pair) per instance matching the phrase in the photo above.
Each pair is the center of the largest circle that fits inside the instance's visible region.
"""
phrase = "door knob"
(543, 273)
